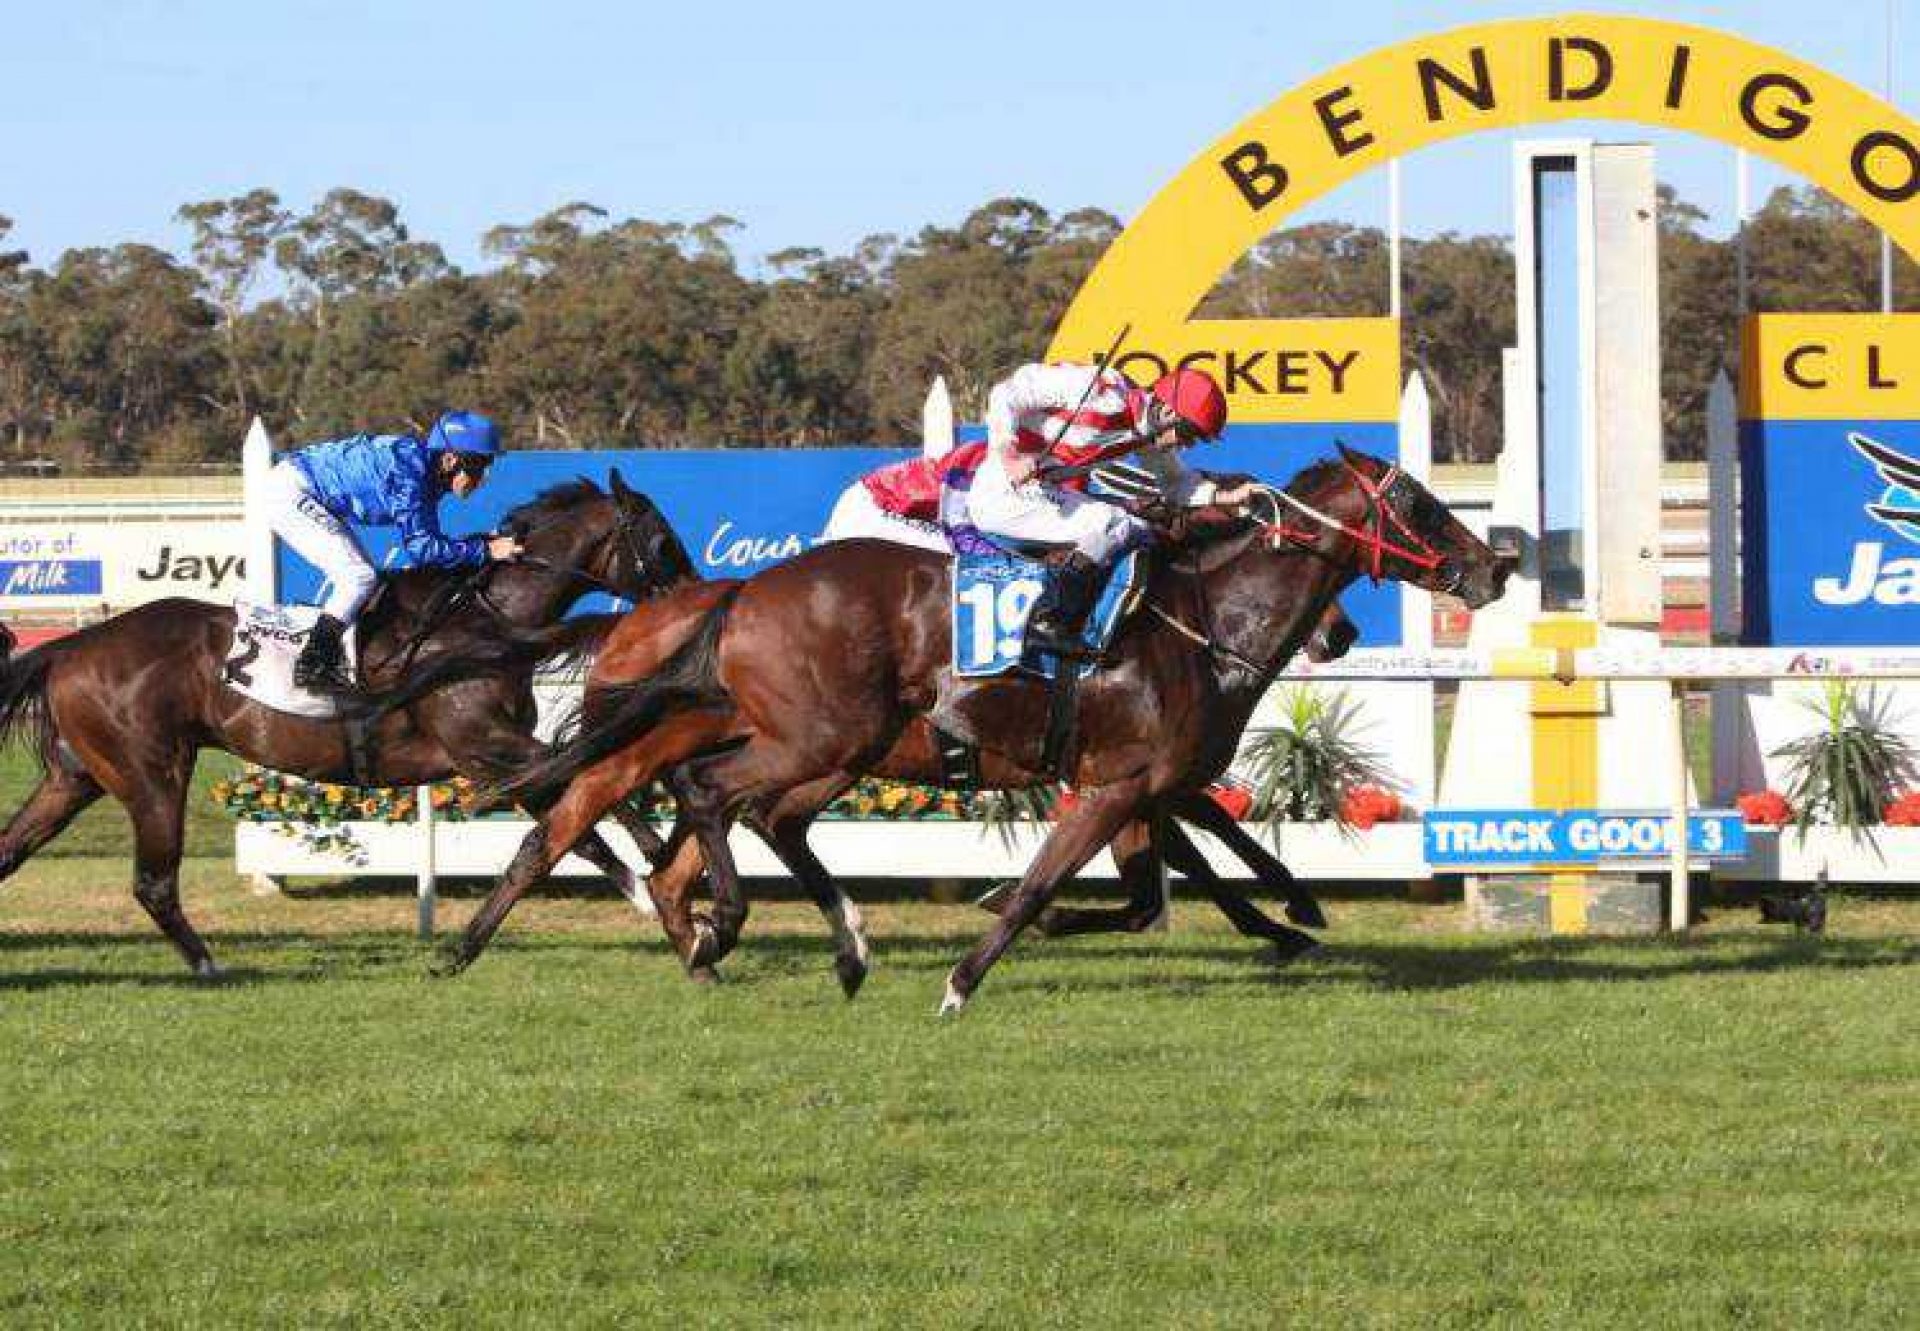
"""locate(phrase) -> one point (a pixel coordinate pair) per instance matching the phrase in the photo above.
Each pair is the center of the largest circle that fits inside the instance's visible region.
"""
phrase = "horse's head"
(593, 540)
(1391, 526)
(1332, 637)
(651, 555)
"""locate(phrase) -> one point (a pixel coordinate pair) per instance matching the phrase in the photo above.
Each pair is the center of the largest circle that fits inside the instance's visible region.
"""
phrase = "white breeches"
(299, 518)
(1036, 514)
(856, 516)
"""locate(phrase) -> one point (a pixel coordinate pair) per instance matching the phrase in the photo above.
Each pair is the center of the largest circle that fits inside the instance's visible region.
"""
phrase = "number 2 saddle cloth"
(266, 640)
(994, 593)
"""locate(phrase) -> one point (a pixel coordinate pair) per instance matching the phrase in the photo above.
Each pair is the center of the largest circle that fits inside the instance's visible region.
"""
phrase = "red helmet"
(1196, 399)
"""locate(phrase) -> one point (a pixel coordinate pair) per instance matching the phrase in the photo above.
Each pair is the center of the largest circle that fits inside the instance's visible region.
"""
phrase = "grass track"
(1412, 1127)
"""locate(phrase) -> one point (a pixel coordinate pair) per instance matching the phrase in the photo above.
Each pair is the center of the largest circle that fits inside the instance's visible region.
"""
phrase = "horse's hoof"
(208, 969)
(1307, 915)
(1291, 949)
(953, 1001)
(703, 975)
(448, 964)
(851, 971)
(706, 945)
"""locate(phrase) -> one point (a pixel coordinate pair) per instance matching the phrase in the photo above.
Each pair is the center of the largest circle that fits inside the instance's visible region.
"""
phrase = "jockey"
(378, 480)
(1045, 417)
(900, 502)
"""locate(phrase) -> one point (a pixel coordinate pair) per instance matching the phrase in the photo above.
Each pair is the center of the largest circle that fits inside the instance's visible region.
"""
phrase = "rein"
(1416, 551)
(471, 589)
(1376, 544)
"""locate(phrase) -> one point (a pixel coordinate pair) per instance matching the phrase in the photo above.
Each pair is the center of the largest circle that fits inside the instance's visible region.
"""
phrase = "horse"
(125, 706)
(777, 693)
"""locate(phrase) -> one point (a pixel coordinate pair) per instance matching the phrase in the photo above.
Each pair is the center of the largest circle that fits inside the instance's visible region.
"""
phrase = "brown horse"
(124, 708)
(778, 693)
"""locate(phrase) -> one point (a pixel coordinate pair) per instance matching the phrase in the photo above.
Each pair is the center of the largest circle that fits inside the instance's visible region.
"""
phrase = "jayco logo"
(1873, 576)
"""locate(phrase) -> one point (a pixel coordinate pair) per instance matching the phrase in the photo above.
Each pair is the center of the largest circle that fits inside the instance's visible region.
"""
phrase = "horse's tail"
(560, 646)
(690, 677)
(24, 713)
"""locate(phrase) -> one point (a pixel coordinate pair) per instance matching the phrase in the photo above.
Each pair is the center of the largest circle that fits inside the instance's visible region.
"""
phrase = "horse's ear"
(619, 486)
(1359, 461)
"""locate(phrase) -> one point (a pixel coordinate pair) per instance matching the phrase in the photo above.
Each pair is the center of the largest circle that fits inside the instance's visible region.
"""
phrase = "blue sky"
(815, 124)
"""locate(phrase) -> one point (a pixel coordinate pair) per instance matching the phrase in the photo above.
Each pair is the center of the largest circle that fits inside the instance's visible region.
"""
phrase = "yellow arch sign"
(1403, 98)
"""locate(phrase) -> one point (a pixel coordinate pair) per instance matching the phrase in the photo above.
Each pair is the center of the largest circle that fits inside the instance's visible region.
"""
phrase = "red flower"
(1905, 811)
(1236, 800)
(1766, 808)
(1366, 805)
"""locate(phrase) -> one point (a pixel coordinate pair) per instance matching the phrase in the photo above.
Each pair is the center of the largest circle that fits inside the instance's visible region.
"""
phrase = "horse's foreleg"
(1203, 813)
(1136, 850)
(1093, 822)
(55, 802)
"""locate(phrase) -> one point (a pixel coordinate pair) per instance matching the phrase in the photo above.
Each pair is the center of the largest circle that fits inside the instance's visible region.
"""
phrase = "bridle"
(1371, 536)
(473, 587)
(1382, 513)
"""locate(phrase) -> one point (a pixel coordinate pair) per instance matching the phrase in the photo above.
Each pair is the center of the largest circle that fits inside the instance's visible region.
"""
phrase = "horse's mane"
(554, 501)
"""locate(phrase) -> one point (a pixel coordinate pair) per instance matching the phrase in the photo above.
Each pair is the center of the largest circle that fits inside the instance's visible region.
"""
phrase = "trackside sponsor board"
(55, 565)
(1574, 836)
(744, 509)
(1830, 480)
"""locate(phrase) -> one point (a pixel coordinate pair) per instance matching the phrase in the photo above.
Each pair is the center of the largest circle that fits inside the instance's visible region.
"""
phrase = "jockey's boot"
(1059, 616)
(322, 663)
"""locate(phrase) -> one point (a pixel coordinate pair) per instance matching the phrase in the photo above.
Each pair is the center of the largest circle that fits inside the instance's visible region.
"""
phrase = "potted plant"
(1841, 782)
(1307, 768)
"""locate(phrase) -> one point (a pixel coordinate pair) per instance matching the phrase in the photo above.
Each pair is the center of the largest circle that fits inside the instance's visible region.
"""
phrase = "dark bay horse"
(779, 692)
(123, 708)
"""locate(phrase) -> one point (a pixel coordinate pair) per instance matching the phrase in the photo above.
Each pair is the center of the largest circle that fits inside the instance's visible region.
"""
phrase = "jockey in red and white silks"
(1051, 416)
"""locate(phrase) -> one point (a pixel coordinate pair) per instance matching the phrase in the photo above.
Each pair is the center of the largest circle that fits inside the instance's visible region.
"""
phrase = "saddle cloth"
(992, 597)
(266, 639)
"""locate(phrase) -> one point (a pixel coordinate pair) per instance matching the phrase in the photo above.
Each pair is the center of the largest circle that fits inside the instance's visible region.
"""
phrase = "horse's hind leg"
(785, 830)
(1246, 917)
(1136, 849)
(55, 802)
(158, 810)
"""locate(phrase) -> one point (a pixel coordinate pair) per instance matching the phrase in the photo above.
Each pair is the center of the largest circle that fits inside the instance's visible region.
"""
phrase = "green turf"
(1412, 1128)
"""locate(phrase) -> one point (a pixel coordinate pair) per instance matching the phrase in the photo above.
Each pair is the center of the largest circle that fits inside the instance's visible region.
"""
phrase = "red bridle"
(1376, 543)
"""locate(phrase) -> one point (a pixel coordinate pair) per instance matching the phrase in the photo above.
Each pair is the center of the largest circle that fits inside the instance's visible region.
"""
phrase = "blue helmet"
(464, 432)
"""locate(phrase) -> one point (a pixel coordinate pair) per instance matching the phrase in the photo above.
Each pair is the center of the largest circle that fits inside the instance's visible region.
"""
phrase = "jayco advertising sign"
(741, 510)
(1830, 480)
(56, 565)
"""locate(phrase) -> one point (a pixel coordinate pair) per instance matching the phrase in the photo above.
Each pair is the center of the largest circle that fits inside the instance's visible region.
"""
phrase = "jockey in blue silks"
(377, 480)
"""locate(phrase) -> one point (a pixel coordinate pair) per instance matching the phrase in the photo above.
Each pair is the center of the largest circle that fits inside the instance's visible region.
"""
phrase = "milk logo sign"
(49, 577)
(1871, 574)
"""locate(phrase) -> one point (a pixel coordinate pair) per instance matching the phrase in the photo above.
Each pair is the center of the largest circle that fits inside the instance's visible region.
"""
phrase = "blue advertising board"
(1830, 533)
(1574, 836)
(1830, 480)
(50, 577)
(740, 510)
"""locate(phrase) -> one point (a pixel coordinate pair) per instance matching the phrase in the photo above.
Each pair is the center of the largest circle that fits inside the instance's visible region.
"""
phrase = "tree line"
(585, 330)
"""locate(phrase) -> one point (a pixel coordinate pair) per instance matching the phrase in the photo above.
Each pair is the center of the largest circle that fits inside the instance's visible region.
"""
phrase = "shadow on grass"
(1435, 963)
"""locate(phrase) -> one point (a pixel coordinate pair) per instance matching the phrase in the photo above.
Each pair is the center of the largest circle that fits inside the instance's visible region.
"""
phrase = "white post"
(1679, 907)
(426, 874)
(256, 460)
(1723, 579)
(936, 420)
